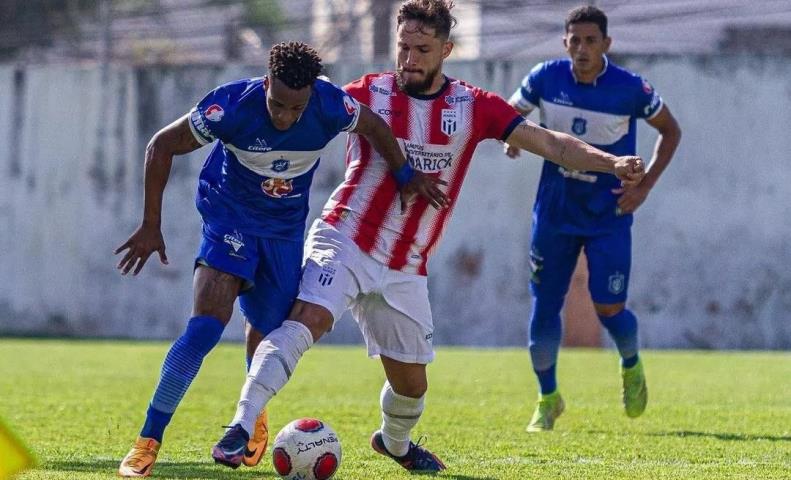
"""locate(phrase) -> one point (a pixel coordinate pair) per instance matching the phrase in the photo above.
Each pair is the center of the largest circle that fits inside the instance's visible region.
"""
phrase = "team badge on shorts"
(326, 276)
(617, 282)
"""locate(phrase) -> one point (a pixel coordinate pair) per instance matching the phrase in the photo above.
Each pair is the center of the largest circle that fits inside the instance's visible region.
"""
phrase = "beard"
(416, 87)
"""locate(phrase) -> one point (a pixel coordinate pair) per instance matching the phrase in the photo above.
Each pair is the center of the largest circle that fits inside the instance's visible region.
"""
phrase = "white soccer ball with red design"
(306, 449)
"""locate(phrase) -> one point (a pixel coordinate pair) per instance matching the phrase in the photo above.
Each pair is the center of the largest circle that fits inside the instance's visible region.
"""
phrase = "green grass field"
(80, 404)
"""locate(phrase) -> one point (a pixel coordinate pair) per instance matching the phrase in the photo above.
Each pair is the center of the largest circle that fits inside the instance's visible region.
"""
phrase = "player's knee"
(608, 309)
(411, 387)
(318, 319)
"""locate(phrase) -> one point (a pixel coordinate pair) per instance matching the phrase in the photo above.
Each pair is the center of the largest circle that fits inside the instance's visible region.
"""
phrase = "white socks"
(273, 362)
(399, 415)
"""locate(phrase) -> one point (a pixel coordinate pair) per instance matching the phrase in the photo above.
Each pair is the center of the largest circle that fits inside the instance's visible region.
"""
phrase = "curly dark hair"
(430, 13)
(296, 64)
(587, 14)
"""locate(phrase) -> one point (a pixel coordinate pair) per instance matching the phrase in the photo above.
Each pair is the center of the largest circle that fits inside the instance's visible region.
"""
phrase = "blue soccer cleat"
(229, 451)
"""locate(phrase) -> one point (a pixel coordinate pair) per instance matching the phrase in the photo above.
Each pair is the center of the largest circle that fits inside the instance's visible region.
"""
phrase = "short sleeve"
(340, 110)
(213, 117)
(495, 117)
(648, 103)
(527, 96)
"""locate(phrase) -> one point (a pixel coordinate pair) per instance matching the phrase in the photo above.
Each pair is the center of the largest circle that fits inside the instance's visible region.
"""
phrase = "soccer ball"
(306, 449)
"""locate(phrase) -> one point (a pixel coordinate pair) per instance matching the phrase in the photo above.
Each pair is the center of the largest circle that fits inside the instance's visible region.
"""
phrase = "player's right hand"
(427, 186)
(512, 152)
(146, 240)
(630, 170)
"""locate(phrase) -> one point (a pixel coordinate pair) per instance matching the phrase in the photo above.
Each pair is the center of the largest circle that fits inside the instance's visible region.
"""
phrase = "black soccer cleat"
(417, 458)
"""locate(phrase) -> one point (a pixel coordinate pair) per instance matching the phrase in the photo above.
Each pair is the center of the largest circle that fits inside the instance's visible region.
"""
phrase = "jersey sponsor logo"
(349, 104)
(577, 175)
(200, 125)
(451, 99)
(260, 145)
(563, 99)
(427, 159)
(616, 283)
(214, 113)
(449, 123)
(280, 165)
(277, 187)
(579, 125)
(380, 90)
(388, 112)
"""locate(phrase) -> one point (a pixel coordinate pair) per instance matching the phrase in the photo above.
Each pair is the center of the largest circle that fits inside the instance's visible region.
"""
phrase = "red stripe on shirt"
(453, 192)
(373, 218)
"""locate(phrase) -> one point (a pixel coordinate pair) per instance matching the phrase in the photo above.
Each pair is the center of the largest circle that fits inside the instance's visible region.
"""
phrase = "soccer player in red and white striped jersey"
(368, 252)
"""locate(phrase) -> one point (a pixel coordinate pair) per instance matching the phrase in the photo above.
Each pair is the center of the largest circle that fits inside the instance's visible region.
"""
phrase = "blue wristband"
(404, 174)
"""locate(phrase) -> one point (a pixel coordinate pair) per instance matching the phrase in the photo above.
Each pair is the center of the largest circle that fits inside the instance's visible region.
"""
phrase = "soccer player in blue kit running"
(591, 98)
(253, 199)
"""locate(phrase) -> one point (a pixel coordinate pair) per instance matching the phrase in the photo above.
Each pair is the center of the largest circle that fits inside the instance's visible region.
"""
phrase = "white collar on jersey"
(603, 70)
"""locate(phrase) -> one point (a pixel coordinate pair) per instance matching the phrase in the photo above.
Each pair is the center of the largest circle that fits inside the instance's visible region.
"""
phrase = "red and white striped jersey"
(438, 134)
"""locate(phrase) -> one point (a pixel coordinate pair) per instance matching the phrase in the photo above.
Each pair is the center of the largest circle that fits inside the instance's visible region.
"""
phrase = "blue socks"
(545, 335)
(623, 330)
(181, 366)
(547, 380)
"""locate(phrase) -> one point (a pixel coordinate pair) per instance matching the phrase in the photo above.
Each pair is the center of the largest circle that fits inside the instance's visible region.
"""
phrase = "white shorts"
(391, 307)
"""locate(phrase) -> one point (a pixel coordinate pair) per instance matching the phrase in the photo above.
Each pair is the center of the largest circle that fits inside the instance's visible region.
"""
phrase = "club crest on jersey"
(214, 113)
(277, 187)
(449, 123)
(647, 88)
(349, 104)
(579, 126)
(280, 165)
(617, 282)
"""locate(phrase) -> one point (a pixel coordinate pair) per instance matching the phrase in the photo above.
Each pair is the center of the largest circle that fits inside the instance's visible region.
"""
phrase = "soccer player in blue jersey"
(253, 198)
(591, 98)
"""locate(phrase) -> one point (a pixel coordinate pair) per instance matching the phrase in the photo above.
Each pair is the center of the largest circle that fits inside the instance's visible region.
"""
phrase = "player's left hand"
(631, 198)
(630, 170)
(427, 186)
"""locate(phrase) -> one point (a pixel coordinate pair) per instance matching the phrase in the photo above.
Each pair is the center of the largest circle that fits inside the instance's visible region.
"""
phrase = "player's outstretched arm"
(575, 154)
(410, 182)
(669, 137)
(175, 139)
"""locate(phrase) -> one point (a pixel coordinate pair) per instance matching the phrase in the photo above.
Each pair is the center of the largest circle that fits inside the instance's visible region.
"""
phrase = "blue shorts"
(553, 256)
(270, 268)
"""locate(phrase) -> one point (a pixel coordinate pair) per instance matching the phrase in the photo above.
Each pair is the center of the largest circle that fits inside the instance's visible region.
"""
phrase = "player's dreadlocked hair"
(587, 14)
(294, 63)
(430, 13)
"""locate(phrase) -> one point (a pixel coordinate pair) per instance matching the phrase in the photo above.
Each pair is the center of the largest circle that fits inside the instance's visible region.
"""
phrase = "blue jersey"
(603, 114)
(257, 178)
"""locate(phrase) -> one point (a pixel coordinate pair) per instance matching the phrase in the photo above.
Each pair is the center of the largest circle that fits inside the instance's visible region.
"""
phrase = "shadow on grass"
(739, 437)
(162, 469)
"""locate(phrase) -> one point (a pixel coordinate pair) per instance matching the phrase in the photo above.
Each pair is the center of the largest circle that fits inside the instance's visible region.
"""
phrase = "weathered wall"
(711, 265)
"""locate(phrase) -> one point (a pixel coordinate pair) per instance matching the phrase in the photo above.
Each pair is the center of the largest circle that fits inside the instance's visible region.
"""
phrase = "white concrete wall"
(711, 261)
